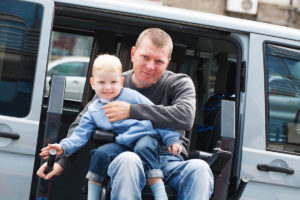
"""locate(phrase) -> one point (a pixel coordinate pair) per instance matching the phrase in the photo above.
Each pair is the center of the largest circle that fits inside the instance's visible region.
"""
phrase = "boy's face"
(107, 85)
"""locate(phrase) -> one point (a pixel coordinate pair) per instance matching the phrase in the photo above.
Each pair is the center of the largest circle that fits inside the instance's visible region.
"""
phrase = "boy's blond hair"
(107, 63)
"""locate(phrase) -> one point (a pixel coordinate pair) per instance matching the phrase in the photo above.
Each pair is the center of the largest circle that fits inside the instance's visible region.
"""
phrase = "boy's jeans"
(192, 179)
(147, 148)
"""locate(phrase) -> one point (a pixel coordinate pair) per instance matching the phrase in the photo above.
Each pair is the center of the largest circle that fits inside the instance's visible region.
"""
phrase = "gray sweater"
(175, 104)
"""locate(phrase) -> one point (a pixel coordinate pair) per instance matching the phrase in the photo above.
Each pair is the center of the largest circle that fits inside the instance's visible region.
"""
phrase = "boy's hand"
(175, 149)
(45, 150)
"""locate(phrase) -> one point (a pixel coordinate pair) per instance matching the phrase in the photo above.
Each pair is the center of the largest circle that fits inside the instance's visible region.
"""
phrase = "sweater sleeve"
(80, 136)
(169, 136)
(65, 162)
(179, 114)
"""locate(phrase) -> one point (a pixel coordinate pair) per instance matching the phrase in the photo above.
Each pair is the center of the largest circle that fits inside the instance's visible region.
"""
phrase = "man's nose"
(150, 65)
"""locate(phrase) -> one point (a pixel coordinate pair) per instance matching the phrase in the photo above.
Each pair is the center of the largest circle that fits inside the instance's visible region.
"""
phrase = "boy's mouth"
(107, 93)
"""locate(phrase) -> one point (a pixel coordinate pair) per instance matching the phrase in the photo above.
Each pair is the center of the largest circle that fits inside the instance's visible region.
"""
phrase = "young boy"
(131, 134)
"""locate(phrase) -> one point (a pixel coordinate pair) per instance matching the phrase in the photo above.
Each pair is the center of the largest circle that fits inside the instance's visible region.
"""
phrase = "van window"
(283, 98)
(70, 56)
(20, 24)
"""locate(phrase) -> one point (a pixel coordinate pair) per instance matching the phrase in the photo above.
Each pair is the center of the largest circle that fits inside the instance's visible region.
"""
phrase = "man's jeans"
(147, 148)
(192, 179)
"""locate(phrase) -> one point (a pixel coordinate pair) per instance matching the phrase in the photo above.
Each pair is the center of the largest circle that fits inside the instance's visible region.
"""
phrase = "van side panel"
(267, 185)
(23, 63)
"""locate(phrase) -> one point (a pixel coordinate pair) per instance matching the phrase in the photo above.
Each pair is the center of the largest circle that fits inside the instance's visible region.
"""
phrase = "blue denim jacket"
(127, 131)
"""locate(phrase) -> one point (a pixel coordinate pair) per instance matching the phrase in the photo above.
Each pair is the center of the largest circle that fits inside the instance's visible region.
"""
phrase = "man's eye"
(145, 57)
(159, 62)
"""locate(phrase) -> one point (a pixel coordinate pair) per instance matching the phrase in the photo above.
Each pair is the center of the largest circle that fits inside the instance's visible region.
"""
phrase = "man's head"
(158, 37)
(150, 56)
(106, 77)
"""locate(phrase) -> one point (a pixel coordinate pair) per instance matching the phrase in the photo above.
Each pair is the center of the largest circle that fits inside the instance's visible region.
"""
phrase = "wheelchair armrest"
(217, 160)
(195, 154)
(106, 136)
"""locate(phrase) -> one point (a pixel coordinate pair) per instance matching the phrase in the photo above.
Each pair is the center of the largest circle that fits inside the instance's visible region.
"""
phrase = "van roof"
(189, 17)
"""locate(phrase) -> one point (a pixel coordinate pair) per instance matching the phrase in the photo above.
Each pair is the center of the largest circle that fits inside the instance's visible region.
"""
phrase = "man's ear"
(132, 52)
(168, 63)
(122, 81)
(92, 82)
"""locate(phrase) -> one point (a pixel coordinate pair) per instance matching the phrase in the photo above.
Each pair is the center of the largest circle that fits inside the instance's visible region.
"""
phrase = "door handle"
(14, 136)
(266, 168)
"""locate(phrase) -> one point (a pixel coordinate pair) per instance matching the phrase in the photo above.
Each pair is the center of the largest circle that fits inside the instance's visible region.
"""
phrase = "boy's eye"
(101, 82)
(113, 82)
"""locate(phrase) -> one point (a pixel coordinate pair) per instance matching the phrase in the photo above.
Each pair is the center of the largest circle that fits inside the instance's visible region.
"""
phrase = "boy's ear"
(122, 81)
(92, 82)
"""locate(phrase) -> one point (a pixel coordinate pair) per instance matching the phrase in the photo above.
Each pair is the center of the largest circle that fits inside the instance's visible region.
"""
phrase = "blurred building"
(280, 12)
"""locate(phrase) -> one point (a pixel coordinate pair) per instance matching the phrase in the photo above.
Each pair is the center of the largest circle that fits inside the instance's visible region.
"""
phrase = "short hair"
(158, 37)
(108, 63)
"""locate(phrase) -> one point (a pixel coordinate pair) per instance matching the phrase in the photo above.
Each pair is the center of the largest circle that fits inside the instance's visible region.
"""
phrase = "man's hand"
(45, 150)
(57, 170)
(117, 110)
(175, 149)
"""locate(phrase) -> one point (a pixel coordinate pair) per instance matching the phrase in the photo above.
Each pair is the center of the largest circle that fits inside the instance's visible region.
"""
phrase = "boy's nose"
(107, 86)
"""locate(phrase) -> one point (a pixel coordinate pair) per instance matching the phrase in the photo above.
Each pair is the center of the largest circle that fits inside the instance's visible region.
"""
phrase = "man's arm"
(178, 115)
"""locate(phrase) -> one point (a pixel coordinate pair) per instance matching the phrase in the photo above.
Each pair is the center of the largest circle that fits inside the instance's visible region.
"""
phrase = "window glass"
(20, 24)
(70, 69)
(69, 56)
(283, 96)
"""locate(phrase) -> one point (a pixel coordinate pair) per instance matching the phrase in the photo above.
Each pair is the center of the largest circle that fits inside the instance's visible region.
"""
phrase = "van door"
(25, 28)
(271, 145)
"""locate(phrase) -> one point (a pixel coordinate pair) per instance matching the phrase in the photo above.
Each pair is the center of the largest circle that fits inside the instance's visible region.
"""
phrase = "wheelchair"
(217, 161)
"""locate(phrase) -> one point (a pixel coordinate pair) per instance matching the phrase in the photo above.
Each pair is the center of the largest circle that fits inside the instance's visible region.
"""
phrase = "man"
(174, 99)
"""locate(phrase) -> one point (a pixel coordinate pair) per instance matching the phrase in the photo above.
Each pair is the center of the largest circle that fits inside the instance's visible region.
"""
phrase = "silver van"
(253, 66)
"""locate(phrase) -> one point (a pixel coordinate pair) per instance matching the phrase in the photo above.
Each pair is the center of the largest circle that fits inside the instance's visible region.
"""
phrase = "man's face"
(149, 62)
(107, 85)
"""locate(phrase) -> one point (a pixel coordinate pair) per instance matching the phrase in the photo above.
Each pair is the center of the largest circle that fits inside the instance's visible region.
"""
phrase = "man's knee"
(197, 180)
(128, 158)
(198, 168)
(200, 172)
(128, 165)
